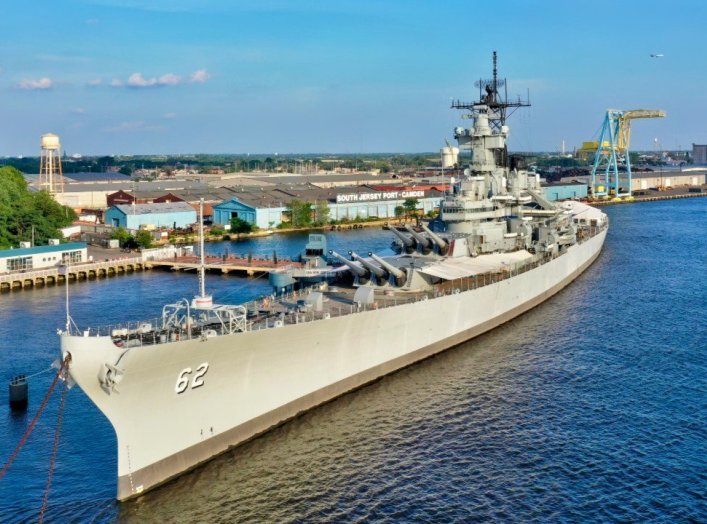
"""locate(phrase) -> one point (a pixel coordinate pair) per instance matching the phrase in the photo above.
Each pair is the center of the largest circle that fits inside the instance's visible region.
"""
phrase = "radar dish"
(489, 82)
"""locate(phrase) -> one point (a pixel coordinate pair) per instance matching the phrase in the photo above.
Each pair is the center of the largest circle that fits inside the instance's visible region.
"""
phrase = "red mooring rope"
(55, 450)
(64, 365)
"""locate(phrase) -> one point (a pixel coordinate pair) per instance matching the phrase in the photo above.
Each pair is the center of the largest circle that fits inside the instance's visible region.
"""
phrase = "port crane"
(614, 141)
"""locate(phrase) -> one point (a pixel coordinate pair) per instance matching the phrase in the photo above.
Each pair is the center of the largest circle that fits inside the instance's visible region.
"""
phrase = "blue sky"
(218, 76)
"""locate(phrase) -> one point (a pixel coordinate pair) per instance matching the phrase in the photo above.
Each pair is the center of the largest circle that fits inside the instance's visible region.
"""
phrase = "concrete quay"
(17, 281)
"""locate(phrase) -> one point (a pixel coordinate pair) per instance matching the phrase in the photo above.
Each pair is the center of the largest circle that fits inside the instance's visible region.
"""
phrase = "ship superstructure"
(204, 377)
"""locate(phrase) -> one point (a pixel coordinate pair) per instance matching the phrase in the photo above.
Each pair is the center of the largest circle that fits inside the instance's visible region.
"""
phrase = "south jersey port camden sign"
(383, 195)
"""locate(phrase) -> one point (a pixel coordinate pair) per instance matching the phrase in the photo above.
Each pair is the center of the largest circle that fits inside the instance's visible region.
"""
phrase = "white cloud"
(199, 76)
(42, 83)
(169, 116)
(168, 79)
(137, 80)
(79, 111)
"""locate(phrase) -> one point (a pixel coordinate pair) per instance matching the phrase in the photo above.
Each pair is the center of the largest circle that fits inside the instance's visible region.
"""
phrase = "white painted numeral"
(198, 380)
(182, 381)
(198, 376)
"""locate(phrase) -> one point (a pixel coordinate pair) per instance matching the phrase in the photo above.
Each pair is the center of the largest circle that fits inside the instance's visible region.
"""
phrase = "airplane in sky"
(657, 55)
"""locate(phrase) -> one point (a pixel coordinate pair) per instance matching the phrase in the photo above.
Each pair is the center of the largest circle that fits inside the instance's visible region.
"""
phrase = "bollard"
(19, 392)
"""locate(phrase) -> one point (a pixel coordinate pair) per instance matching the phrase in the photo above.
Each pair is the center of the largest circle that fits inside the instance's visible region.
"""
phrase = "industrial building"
(268, 208)
(667, 178)
(148, 197)
(699, 154)
(40, 257)
(564, 190)
(655, 179)
(146, 216)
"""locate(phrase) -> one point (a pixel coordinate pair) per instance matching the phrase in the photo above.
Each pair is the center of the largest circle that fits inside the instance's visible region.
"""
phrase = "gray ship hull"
(259, 379)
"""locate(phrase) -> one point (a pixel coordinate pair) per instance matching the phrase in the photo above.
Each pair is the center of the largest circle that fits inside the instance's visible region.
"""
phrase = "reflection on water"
(590, 407)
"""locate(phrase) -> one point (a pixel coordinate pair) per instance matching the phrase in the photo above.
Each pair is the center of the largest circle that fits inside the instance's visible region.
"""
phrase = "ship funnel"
(408, 243)
(397, 273)
(376, 270)
(425, 243)
(442, 244)
(355, 268)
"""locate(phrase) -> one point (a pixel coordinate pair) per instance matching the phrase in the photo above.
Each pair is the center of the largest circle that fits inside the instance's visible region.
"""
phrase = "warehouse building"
(41, 257)
(147, 216)
(699, 154)
(268, 208)
(667, 178)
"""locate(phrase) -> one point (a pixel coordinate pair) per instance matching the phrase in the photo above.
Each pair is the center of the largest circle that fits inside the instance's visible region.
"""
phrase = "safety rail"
(263, 313)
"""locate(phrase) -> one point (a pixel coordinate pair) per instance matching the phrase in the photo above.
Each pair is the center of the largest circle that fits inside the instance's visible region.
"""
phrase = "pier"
(61, 275)
(249, 266)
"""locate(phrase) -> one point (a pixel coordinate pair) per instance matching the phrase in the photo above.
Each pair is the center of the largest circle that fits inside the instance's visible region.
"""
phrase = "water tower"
(50, 175)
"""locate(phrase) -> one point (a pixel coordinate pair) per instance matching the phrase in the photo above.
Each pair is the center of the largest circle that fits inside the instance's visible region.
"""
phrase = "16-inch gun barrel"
(397, 273)
(425, 243)
(408, 243)
(441, 243)
(355, 268)
(377, 271)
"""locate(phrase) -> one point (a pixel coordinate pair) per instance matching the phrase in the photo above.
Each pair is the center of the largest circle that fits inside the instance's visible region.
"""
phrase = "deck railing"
(274, 312)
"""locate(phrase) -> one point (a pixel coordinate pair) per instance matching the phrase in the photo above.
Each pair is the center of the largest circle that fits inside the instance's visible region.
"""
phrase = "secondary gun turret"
(442, 244)
(397, 273)
(424, 242)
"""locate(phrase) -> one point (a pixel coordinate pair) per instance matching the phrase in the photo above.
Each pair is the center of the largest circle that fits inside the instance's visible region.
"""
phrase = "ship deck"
(318, 302)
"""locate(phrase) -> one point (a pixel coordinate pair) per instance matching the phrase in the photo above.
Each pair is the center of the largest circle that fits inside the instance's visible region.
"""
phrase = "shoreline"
(10, 283)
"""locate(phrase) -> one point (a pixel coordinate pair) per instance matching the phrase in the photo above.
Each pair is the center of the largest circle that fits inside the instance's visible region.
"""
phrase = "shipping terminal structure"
(205, 377)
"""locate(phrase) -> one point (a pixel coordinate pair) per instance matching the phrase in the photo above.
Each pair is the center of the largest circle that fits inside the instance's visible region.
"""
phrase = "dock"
(248, 266)
(19, 280)
(670, 194)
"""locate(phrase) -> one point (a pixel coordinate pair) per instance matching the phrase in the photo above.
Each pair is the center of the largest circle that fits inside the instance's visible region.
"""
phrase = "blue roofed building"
(136, 216)
(264, 216)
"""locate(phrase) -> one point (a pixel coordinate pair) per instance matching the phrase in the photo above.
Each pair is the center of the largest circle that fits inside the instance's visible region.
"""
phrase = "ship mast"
(496, 104)
(202, 265)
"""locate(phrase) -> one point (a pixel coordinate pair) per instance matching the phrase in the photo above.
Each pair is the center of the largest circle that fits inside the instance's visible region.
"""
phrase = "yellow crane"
(614, 139)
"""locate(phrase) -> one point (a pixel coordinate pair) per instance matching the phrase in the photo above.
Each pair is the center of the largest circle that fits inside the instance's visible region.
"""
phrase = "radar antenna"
(497, 105)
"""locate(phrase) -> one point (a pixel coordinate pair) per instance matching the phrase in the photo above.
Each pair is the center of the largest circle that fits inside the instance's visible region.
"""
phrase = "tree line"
(24, 212)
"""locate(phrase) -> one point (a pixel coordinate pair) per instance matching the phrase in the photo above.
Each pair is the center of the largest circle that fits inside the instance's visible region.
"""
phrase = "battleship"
(204, 377)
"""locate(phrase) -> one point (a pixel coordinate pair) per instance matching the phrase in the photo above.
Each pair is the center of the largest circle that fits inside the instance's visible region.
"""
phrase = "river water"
(591, 407)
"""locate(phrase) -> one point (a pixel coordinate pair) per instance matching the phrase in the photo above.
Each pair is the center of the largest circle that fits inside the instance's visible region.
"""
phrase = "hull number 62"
(185, 378)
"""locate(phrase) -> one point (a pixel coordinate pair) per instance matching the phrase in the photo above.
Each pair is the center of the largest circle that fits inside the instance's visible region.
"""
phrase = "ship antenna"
(202, 267)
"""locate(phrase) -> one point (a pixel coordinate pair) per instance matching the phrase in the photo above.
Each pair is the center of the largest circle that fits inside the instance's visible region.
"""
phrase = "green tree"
(321, 212)
(143, 238)
(23, 211)
(399, 212)
(238, 225)
(410, 206)
(125, 239)
(300, 213)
